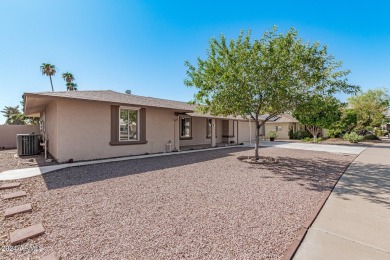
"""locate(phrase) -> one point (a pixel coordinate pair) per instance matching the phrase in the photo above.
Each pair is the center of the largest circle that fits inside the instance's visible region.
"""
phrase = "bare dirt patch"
(205, 205)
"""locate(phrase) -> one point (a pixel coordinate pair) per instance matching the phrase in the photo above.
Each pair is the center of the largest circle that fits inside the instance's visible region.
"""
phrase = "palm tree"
(49, 70)
(68, 77)
(70, 86)
(13, 115)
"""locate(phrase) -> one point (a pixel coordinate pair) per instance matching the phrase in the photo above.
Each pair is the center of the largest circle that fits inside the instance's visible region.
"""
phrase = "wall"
(281, 134)
(244, 130)
(8, 133)
(199, 127)
(84, 131)
(50, 129)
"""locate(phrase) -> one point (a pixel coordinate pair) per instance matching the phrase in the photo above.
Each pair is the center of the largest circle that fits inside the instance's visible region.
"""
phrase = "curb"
(292, 249)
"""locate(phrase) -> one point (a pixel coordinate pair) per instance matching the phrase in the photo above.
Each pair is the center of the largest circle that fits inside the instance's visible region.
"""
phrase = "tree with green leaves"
(49, 70)
(318, 112)
(13, 115)
(370, 108)
(346, 123)
(270, 75)
(70, 86)
(68, 77)
(128, 92)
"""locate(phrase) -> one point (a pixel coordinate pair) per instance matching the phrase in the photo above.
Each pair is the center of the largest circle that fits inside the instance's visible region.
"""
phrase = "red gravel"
(205, 205)
(8, 161)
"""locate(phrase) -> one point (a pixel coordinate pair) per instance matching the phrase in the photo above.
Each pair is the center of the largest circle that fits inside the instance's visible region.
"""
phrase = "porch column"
(213, 139)
(176, 134)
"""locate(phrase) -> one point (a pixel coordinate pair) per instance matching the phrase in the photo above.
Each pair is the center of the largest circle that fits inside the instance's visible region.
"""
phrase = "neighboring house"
(86, 125)
(281, 125)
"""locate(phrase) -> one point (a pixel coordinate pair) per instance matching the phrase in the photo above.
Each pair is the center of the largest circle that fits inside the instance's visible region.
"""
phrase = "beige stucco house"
(87, 125)
(282, 124)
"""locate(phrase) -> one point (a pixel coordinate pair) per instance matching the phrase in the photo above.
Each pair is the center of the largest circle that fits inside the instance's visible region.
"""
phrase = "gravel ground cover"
(8, 161)
(205, 205)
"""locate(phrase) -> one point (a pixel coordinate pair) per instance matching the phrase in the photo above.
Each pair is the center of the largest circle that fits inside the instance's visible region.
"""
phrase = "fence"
(8, 133)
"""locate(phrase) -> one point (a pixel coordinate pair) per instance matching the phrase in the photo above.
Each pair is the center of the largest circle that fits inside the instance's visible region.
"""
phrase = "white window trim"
(138, 122)
(181, 126)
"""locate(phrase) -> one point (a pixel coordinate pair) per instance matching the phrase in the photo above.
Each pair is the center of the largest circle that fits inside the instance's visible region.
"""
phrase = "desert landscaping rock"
(14, 195)
(17, 210)
(207, 205)
(9, 185)
(10, 161)
(21, 235)
(49, 257)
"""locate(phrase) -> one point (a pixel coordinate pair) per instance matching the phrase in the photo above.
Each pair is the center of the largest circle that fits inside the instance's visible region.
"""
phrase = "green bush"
(378, 132)
(353, 137)
(371, 137)
(319, 139)
(335, 133)
(272, 134)
(299, 135)
(306, 139)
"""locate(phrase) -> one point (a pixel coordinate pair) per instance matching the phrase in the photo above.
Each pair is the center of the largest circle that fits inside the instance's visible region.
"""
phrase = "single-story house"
(87, 125)
(282, 124)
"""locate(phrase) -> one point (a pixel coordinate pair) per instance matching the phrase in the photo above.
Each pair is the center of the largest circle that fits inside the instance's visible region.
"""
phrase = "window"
(278, 128)
(209, 123)
(128, 125)
(185, 127)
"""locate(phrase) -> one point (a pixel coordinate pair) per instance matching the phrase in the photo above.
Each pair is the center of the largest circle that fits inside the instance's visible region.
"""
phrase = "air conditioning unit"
(27, 144)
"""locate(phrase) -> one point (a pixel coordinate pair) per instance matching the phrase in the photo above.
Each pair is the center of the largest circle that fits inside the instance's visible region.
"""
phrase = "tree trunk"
(314, 130)
(257, 133)
(51, 82)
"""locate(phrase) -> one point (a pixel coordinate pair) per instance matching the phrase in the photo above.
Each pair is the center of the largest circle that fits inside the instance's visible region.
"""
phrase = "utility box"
(27, 144)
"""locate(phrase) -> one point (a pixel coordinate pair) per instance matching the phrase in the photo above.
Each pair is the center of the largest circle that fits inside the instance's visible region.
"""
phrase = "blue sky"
(142, 45)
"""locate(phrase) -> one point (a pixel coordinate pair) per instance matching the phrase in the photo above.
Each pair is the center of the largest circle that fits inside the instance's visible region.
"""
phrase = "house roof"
(284, 118)
(116, 97)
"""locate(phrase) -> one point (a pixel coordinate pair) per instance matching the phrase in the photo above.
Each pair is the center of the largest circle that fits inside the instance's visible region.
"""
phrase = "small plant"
(371, 137)
(353, 137)
(319, 139)
(306, 139)
(272, 135)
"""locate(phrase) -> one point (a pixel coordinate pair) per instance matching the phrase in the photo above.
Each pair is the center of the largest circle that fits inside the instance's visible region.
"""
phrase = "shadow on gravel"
(98, 172)
(314, 174)
(371, 182)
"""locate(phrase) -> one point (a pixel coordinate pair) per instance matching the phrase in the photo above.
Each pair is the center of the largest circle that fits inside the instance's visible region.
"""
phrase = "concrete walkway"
(355, 221)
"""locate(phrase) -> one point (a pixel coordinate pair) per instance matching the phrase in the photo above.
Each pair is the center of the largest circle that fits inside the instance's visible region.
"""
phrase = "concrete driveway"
(343, 149)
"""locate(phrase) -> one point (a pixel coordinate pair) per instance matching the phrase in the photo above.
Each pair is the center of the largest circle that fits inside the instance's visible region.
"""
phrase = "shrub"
(335, 133)
(291, 134)
(353, 137)
(371, 137)
(306, 139)
(319, 139)
(378, 132)
(299, 135)
(272, 134)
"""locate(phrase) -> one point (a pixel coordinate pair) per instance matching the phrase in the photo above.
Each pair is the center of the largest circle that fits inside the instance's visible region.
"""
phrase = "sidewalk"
(355, 221)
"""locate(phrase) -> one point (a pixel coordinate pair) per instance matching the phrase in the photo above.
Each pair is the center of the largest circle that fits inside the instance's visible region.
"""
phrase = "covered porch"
(198, 131)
